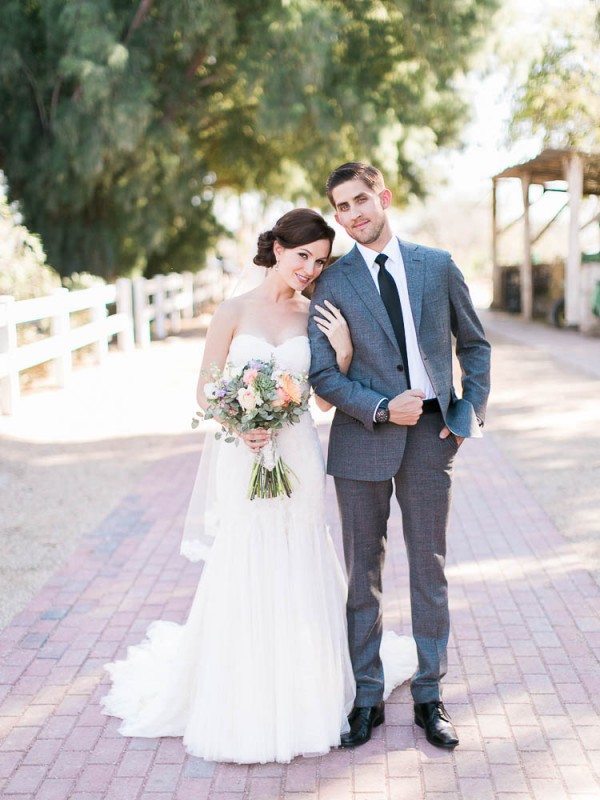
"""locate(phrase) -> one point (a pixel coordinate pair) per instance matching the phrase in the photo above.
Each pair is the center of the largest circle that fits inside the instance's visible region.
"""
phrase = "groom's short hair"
(368, 174)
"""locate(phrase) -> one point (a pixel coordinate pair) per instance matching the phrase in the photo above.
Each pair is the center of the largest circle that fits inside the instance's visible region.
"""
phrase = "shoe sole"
(435, 742)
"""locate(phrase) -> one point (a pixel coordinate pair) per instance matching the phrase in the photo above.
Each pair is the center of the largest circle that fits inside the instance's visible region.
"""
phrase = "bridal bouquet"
(258, 396)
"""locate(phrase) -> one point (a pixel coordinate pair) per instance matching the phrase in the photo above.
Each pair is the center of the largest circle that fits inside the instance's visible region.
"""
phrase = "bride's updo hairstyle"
(296, 228)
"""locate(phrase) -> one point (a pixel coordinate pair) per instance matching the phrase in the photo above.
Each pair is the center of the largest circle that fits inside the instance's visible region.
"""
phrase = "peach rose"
(291, 388)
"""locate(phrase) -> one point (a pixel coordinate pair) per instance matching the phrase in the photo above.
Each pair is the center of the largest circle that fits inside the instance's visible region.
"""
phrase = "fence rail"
(143, 309)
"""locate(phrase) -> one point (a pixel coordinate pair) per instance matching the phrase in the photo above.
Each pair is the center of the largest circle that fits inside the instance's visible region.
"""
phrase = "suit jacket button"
(400, 368)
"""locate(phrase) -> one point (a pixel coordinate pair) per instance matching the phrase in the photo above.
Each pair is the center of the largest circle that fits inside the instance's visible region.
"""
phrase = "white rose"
(247, 399)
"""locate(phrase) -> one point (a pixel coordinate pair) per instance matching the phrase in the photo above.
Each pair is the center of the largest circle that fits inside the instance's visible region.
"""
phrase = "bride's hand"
(334, 326)
(256, 439)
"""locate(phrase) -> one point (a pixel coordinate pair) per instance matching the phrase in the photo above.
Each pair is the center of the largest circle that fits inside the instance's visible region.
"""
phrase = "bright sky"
(522, 25)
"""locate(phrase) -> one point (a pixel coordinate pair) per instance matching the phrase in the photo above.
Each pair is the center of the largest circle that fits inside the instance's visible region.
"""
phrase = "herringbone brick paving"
(523, 685)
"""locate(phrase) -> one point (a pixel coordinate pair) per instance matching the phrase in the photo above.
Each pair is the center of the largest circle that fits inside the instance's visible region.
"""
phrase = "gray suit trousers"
(423, 486)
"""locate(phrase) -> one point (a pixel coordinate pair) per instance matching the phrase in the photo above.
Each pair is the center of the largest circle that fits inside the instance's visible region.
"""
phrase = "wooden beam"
(550, 222)
(496, 272)
(526, 266)
(574, 176)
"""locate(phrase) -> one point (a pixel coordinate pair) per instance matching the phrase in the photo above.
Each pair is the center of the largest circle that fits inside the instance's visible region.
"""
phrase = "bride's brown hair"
(296, 228)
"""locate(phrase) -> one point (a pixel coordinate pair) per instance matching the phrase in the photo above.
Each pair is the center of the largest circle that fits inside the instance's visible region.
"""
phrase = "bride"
(260, 671)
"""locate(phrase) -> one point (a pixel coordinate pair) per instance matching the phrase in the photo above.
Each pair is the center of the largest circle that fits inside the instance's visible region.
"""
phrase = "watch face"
(382, 415)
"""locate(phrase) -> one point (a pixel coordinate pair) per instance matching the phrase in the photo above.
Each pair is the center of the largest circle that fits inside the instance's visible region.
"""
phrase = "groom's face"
(361, 211)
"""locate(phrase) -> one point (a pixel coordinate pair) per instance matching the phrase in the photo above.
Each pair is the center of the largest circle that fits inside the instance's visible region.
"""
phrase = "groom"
(397, 427)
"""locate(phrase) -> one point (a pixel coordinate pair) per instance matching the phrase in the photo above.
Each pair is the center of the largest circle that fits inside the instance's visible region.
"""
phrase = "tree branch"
(140, 16)
(189, 73)
(54, 101)
(37, 95)
(194, 64)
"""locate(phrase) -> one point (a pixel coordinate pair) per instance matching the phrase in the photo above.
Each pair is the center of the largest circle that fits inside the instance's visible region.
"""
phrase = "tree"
(122, 119)
(560, 101)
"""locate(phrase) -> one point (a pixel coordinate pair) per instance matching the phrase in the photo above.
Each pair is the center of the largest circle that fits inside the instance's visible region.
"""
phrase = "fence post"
(140, 317)
(158, 301)
(199, 292)
(188, 288)
(101, 344)
(61, 327)
(9, 375)
(125, 307)
(173, 292)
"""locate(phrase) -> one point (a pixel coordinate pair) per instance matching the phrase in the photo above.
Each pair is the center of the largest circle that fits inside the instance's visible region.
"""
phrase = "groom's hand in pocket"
(406, 408)
(446, 432)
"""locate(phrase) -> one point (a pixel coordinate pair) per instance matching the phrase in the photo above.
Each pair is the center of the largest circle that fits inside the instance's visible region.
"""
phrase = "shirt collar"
(391, 250)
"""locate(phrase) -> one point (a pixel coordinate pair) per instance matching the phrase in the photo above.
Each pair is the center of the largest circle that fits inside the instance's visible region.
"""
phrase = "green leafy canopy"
(120, 119)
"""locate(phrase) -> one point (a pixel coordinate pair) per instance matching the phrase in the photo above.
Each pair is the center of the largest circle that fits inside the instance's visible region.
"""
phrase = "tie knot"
(381, 259)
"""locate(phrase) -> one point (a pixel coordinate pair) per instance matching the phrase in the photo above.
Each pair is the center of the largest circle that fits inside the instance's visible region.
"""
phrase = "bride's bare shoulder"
(303, 302)
(240, 301)
(230, 312)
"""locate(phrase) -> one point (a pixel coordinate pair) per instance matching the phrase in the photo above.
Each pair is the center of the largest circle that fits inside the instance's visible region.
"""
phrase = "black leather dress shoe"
(362, 721)
(434, 718)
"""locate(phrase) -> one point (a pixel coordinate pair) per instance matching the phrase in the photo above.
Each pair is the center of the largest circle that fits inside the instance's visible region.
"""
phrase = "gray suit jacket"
(441, 308)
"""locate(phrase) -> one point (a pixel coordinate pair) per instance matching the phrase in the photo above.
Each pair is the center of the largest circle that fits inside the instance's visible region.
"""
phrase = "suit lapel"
(359, 276)
(415, 278)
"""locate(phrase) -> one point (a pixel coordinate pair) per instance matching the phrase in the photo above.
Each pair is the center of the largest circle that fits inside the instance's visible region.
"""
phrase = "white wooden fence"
(140, 305)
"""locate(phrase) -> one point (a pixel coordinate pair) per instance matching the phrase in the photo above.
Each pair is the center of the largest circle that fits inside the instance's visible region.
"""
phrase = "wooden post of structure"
(496, 273)
(574, 176)
(526, 266)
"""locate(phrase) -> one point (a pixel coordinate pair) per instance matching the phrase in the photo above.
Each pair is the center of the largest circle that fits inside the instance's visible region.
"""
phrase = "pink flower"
(283, 398)
(249, 376)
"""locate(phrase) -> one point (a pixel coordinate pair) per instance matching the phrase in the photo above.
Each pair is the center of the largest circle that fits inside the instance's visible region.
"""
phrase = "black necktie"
(391, 301)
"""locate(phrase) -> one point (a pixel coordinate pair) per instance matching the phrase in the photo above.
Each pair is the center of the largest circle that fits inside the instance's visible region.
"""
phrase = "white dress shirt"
(395, 266)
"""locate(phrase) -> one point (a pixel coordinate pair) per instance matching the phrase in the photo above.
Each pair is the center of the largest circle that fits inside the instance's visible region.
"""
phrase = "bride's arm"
(334, 326)
(220, 332)
(218, 339)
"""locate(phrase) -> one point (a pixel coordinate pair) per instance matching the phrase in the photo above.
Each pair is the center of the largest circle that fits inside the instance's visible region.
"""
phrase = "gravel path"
(68, 457)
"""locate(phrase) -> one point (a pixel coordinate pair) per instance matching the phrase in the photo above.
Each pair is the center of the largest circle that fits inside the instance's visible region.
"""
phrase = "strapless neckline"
(266, 341)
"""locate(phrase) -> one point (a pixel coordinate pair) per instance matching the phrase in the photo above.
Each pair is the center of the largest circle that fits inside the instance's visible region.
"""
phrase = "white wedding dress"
(260, 671)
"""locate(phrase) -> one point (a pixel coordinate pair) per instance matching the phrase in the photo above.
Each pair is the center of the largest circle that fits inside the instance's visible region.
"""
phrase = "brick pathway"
(523, 684)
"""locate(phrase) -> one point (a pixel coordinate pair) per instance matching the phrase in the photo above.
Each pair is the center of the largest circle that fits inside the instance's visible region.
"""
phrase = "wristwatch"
(383, 413)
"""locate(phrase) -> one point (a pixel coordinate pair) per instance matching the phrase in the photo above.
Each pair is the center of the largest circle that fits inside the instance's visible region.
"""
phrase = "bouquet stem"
(271, 476)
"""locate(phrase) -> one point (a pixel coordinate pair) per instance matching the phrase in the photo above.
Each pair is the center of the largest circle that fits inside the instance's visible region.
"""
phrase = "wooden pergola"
(581, 171)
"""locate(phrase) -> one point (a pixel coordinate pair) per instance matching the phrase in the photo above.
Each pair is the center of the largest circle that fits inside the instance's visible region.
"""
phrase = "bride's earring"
(276, 267)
